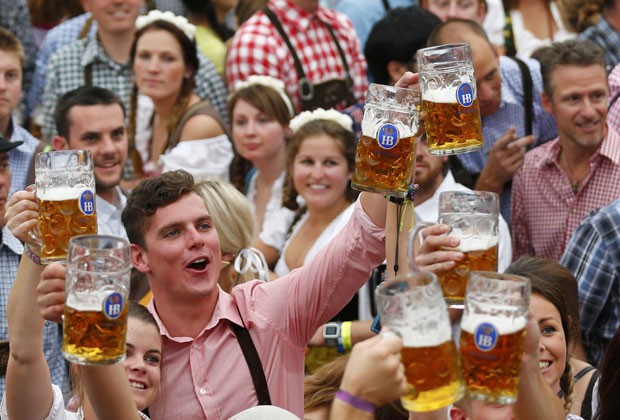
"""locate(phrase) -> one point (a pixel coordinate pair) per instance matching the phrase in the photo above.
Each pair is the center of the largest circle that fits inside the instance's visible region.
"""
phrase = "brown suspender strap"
(200, 108)
(300, 71)
(253, 360)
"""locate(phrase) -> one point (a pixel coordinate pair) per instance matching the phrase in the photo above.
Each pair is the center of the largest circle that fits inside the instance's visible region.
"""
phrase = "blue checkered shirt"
(511, 112)
(65, 71)
(60, 35)
(10, 253)
(593, 256)
(21, 158)
(608, 38)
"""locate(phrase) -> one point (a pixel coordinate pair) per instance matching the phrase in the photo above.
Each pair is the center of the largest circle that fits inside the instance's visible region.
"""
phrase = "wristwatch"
(331, 334)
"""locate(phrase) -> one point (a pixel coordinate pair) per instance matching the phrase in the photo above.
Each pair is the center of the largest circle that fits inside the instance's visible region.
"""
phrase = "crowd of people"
(223, 135)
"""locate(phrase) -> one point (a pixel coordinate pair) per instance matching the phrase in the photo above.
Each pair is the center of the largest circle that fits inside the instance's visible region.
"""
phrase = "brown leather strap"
(199, 108)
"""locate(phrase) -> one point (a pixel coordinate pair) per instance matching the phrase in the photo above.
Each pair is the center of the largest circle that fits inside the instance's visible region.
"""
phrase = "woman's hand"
(432, 254)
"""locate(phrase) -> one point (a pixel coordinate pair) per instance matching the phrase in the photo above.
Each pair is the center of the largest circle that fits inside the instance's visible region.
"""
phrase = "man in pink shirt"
(563, 180)
(175, 243)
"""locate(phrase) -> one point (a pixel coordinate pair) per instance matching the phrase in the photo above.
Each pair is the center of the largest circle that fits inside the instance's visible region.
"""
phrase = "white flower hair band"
(321, 114)
(270, 82)
(179, 21)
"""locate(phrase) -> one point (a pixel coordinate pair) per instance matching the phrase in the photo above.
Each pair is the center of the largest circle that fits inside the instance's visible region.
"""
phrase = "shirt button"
(195, 346)
(202, 391)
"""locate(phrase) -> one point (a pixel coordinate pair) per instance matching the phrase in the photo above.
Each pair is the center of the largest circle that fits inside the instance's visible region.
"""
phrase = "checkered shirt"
(604, 35)
(511, 112)
(10, 252)
(593, 256)
(60, 35)
(15, 16)
(66, 72)
(258, 48)
(21, 158)
(613, 80)
(545, 210)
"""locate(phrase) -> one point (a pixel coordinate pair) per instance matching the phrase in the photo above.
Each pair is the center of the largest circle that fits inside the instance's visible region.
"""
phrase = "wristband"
(32, 255)
(356, 402)
(345, 332)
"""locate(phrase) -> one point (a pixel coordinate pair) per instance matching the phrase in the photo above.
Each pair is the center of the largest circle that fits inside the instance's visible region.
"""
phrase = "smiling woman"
(554, 305)
(164, 60)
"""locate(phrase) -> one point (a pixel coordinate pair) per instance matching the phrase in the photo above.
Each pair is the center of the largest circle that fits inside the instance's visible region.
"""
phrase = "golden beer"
(451, 127)
(491, 358)
(454, 282)
(61, 216)
(91, 336)
(433, 377)
(378, 169)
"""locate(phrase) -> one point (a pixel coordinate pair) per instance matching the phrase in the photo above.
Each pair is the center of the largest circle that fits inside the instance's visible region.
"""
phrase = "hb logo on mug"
(485, 336)
(465, 94)
(387, 136)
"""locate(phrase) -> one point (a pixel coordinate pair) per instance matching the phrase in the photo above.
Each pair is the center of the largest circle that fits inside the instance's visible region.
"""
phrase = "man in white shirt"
(93, 118)
(433, 176)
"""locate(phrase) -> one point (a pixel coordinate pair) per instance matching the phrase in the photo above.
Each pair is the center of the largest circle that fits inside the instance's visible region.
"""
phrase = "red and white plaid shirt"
(613, 115)
(258, 48)
(545, 211)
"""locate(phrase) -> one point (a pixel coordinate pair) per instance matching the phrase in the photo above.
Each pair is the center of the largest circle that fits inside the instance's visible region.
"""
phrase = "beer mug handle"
(34, 234)
(415, 233)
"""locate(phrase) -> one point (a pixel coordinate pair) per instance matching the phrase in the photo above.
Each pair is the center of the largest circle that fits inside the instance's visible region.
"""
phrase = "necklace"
(577, 181)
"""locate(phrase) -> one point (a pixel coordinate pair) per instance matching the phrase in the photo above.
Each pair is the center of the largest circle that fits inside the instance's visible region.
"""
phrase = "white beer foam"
(93, 304)
(442, 96)
(60, 193)
(476, 243)
(434, 338)
(503, 324)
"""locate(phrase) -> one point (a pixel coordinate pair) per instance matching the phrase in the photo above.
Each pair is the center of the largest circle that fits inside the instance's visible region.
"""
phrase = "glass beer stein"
(473, 217)
(65, 191)
(97, 287)
(412, 306)
(492, 335)
(449, 99)
(385, 158)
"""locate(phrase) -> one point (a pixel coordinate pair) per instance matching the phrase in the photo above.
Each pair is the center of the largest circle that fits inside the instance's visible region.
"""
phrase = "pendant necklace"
(574, 184)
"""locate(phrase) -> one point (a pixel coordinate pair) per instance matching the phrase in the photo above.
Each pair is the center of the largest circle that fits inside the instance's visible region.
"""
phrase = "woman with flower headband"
(260, 111)
(185, 131)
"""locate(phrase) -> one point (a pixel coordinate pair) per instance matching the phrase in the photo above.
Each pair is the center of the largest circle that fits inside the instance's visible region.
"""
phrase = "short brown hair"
(150, 195)
(10, 43)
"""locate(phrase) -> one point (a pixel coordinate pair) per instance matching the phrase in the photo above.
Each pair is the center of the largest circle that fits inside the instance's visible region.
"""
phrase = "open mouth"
(544, 364)
(137, 385)
(198, 264)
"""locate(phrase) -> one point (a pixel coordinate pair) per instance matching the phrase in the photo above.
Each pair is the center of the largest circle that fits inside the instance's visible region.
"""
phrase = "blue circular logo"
(113, 305)
(387, 136)
(465, 94)
(485, 336)
(87, 202)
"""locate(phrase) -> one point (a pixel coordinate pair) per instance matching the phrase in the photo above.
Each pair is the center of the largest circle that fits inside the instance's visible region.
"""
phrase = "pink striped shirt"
(545, 211)
(207, 377)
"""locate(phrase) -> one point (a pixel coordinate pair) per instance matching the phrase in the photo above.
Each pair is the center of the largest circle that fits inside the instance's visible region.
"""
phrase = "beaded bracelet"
(407, 198)
(356, 402)
(32, 255)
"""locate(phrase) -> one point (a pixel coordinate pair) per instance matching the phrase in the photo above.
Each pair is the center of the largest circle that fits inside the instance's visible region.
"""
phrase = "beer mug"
(97, 286)
(412, 306)
(449, 99)
(65, 191)
(473, 217)
(385, 158)
(492, 335)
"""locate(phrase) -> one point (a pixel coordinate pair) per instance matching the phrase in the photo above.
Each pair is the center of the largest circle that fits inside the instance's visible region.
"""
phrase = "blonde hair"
(234, 221)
